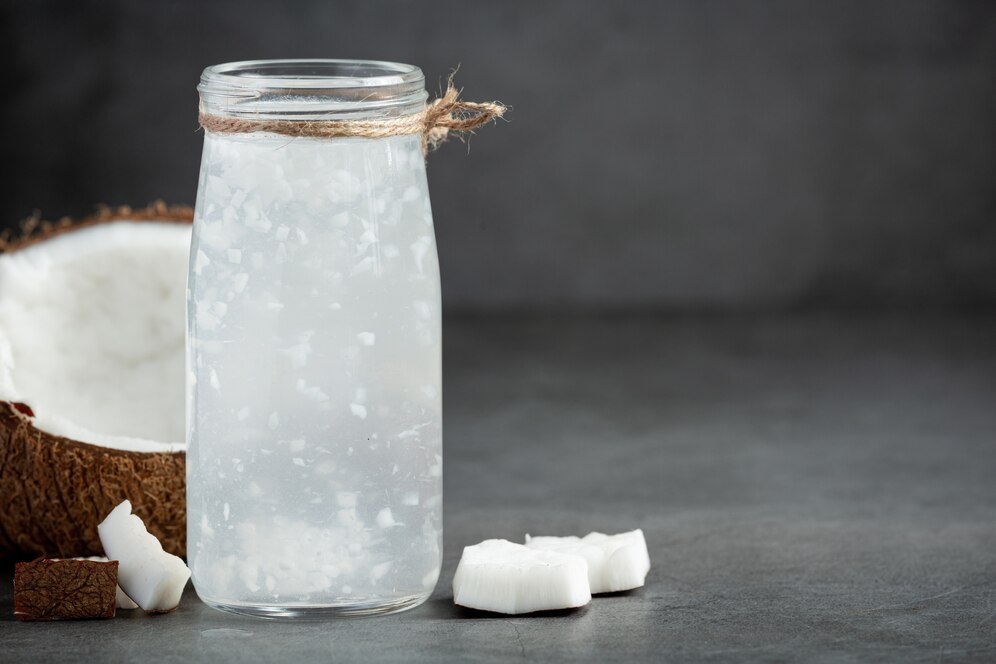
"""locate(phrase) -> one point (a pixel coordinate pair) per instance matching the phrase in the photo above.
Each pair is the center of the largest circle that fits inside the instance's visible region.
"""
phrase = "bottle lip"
(309, 89)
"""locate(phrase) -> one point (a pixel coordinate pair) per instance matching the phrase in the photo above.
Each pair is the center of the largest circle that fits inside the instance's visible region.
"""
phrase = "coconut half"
(92, 379)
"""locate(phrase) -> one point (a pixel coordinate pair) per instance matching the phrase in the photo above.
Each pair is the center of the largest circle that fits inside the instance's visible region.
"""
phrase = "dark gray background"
(681, 155)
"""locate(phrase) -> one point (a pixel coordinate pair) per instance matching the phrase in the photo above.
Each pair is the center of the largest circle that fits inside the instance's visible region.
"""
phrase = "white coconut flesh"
(615, 562)
(149, 575)
(504, 577)
(92, 333)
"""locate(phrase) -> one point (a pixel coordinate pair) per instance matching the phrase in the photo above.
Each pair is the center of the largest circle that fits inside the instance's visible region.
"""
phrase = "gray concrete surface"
(812, 488)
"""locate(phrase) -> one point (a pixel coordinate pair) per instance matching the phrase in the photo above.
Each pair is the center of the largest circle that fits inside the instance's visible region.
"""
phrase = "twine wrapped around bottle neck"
(440, 117)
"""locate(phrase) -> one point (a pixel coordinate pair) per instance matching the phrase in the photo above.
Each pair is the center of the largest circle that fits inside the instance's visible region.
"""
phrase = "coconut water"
(314, 400)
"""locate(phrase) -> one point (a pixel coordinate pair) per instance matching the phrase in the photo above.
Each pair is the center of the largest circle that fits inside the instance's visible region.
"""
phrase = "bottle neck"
(312, 90)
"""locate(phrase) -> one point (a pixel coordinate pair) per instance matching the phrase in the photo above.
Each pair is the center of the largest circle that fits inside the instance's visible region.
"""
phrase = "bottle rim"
(310, 89)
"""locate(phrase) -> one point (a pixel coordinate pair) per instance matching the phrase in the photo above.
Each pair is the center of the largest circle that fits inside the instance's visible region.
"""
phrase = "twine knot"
(448, 113)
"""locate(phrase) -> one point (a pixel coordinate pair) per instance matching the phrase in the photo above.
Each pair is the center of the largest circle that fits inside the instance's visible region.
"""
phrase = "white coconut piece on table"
(615, 562)
(505, 577)
(149, 575)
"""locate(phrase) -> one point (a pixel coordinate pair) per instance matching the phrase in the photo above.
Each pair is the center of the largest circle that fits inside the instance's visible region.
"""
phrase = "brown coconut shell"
(54, 490)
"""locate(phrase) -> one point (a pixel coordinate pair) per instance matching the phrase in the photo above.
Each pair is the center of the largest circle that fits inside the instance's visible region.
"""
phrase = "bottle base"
(346, 609)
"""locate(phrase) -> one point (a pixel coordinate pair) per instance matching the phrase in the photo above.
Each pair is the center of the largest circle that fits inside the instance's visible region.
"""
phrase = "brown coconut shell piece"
(65, 590)
(54, 490)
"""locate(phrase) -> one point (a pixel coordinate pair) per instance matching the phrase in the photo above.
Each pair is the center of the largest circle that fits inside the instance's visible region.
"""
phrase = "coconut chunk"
(615, 562)
(150, 576)
(504, 577)
(64, 589)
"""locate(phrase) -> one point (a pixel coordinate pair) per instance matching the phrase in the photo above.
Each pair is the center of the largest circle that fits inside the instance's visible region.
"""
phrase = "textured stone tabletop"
(812, 488)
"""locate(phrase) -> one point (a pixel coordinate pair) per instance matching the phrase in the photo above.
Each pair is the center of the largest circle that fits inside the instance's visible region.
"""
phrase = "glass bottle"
(314, 415)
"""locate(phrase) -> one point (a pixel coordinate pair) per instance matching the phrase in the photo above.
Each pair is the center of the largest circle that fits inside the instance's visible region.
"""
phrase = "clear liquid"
(314, 466)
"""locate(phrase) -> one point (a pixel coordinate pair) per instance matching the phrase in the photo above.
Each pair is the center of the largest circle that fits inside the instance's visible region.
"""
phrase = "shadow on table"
(7, 587)
(443, 608)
